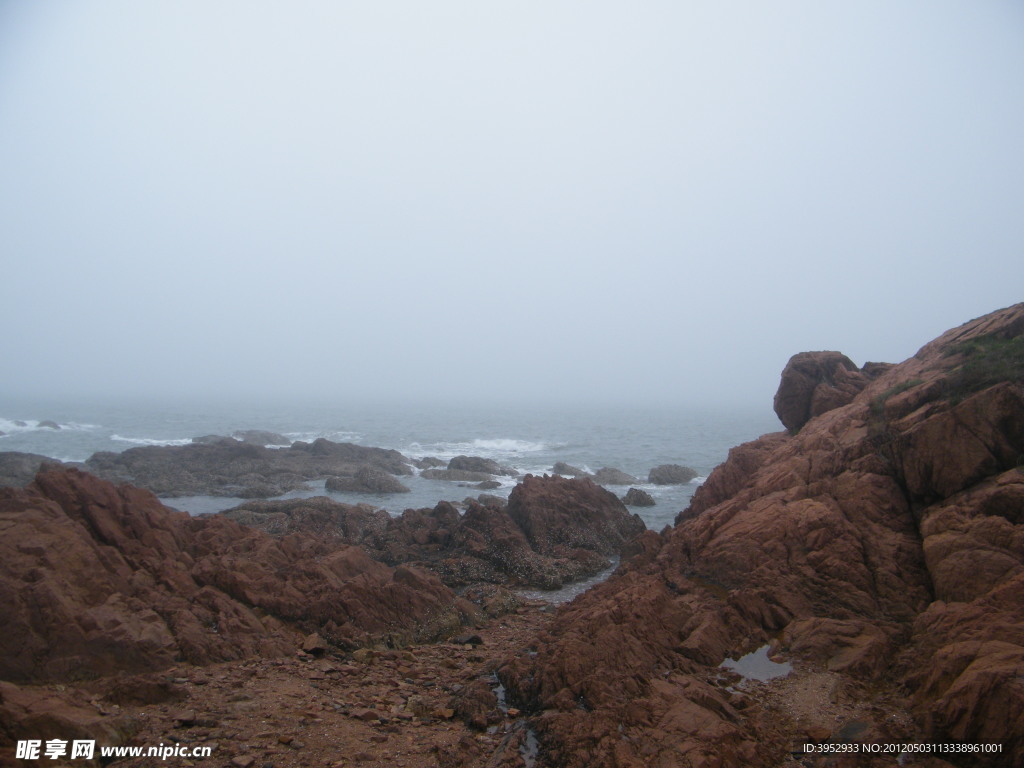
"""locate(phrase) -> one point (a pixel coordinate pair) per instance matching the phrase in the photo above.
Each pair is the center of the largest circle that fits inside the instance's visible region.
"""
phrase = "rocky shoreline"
(877, 545)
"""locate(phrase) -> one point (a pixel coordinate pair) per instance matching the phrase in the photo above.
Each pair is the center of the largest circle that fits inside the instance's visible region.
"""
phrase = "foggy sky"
(497, 201)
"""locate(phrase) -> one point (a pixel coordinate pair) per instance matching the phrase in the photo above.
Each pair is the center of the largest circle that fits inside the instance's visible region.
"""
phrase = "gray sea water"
(528, 438)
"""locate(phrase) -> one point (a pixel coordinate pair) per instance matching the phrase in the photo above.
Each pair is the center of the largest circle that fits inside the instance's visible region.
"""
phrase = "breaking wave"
(151, 440)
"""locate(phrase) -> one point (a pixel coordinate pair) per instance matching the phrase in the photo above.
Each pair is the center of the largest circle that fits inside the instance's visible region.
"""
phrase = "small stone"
(184, 718)
(243, 761)
(315, 644)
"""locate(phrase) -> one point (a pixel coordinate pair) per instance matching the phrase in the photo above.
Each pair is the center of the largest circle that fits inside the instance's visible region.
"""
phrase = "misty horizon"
(503, 204)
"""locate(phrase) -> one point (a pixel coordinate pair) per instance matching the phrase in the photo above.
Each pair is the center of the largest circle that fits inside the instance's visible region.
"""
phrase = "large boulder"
(671, 474)
(612, 476)
(479, 464)
(637, 497)
(813, 383)
(560, 514)
(568, 470)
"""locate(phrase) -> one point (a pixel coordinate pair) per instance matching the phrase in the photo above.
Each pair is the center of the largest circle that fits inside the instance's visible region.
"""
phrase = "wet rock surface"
(229, 467)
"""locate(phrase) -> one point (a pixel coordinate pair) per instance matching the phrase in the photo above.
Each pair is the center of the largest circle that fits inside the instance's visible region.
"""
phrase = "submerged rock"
(612, 476)
(367, 479)
(479, 464)
(637, 497)
(229, 467)
(567, 470)
(260, 437)
(671, 474)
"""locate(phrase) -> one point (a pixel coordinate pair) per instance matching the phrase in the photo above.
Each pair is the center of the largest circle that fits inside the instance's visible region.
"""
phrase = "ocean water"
(528, 438)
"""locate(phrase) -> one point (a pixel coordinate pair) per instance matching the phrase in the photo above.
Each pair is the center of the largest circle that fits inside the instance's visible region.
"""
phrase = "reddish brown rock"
(578, 527)
(883, 541)
(98, 579)
(559, 515)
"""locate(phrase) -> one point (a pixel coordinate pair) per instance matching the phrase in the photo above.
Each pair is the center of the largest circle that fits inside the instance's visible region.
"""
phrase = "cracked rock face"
(98, 579)
(884, 542)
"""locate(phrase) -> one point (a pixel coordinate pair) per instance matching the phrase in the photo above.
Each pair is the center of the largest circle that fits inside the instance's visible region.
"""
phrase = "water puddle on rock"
(529, 747)
(757, 666)
(569, 591)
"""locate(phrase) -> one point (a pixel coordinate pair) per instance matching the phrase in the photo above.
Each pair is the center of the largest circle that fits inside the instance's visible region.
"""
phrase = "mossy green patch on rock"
(988, 360)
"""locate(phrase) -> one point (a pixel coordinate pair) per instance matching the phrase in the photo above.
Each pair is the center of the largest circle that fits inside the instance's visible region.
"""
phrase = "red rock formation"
(97, 578)
(883, 542)
(554, 531)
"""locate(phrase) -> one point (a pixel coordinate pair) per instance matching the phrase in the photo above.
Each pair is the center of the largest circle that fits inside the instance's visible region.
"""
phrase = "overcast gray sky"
(498, 200)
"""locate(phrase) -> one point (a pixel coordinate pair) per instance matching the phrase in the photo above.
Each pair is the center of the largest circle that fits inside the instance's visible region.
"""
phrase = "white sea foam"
(151, 440)
(509, 445)
(493, 448)
(335, 436)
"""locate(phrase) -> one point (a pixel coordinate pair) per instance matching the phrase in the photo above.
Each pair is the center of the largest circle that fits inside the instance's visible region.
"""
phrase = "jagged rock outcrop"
(883, 542)
(96, 578)
(229, 467)
(560, 532)
(637, 497)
